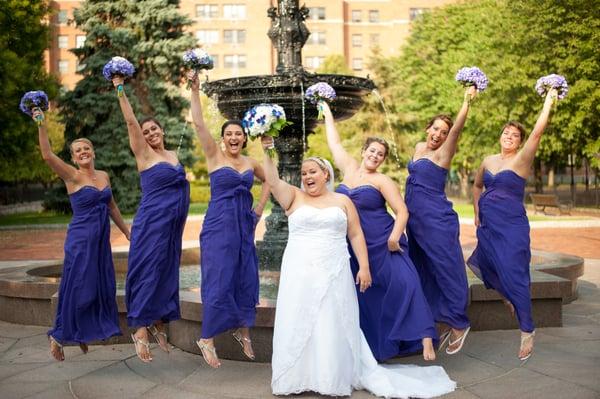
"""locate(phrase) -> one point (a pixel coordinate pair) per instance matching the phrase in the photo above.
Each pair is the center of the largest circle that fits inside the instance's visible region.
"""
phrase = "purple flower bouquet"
(472, 76)
(264, 120)
(197, 59)
(32, 100)
(118, 66)
(320, 92)
(553, 81)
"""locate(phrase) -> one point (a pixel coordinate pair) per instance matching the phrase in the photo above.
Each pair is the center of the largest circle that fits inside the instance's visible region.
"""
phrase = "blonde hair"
(80, 140)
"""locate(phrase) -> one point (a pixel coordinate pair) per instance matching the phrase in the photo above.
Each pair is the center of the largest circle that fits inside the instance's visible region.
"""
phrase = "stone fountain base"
(28, 296)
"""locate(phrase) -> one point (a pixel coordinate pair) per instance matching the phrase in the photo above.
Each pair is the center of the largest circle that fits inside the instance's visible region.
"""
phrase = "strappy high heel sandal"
(526, 339)
(138, 351)
(157, 337)
(60, 351)
(204, 347)
(241, 339)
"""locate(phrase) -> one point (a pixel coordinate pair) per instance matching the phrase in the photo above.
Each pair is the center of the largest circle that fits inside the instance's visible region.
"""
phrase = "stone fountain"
(235, 96)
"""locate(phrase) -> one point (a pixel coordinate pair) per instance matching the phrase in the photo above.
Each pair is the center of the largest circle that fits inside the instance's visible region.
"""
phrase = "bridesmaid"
(501, 259)
(433, 227)
(228, 260)
(152, 286)
(394, 314)
(87, 306)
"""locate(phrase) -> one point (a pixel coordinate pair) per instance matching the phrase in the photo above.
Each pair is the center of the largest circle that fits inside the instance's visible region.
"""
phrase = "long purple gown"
(433, 243)
(228, 260)
(152, 286)
(394, 314)
(87, 306)
(502, 256)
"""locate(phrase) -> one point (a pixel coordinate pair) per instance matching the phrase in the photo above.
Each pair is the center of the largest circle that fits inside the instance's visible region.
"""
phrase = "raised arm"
(527, 153)
(65, 171)
(265, 190)
(342, 159)
(477, 190)
(283, 192)
(136, 138)
(448, 149)
(359, 246)
(392, 195)
(209, 146)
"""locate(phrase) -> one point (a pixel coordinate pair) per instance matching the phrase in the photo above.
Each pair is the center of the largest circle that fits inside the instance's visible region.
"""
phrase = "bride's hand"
(363, 277)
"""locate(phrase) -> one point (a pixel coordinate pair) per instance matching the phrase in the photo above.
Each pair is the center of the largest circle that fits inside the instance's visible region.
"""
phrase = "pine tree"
(23, 39)
(150, 34)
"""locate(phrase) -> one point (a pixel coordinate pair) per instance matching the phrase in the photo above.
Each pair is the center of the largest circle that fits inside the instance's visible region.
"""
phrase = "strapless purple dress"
(433, 243)
(502, 257)
(87, 306)
(394, 313)
(228, 259)
(152, 286)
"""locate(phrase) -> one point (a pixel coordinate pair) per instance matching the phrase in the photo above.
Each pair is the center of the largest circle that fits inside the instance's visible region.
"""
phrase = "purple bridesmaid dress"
(502, 256)
(152, 286)
(228, 260)
(87, 306)
(433, 243)
(394, 313)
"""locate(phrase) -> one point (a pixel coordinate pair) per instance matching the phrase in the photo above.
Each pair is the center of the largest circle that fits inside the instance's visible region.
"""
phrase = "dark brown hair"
(151, 119)
(378, 140)
(443, 117)
(518, 125)
(238, 123)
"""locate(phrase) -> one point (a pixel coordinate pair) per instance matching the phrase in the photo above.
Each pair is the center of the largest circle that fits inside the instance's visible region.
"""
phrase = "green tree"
(514, 43)
(150, 34)
(23, 39)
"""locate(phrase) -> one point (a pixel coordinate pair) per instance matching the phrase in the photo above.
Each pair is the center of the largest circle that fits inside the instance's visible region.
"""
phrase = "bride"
(317, 342)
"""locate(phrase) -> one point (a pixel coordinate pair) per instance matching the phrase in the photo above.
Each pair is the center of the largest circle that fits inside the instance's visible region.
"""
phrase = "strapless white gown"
(317, 342)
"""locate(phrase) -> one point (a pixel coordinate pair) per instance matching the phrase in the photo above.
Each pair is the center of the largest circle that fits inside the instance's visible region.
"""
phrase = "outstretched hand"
(363, 279)
(118, 80)
(470, 93)
(37, 114)
(267, 142)
(193, 79)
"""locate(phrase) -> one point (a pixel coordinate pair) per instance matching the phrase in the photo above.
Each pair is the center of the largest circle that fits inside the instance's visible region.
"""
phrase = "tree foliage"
(23, 39)
(150, 34)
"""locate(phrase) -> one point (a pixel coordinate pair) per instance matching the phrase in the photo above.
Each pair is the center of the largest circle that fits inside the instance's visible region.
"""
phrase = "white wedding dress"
(317, 342)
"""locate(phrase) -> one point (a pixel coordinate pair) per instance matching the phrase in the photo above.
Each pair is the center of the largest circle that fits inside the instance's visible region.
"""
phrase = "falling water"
(303, 117)
(389, 126)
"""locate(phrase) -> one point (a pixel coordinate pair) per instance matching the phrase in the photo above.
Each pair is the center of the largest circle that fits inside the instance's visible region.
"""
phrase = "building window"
(62, 17)
(234, 61)
(234, 36)
(234, 11)
(356, 15)
(314, 62)
(63, 41)
(357, 64)
(374, 39)
(415, 12)
(79, 41)
(207, 36)
(317, 38)
(63, 66)
(356, 40)
(207, 11)
(373, 15)
(316, 13)
(215, 59)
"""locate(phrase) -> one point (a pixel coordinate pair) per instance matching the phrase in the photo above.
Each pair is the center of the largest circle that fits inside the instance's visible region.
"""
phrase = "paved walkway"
(566, 364)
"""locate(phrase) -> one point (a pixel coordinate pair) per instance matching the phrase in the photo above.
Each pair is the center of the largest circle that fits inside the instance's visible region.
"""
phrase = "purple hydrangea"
(118, 66)
(34, 99)
(319, 92)
(553, 81)
(472, 76)
(197, 59)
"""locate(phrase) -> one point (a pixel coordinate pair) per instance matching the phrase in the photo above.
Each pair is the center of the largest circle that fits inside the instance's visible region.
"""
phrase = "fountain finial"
(288, 33)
